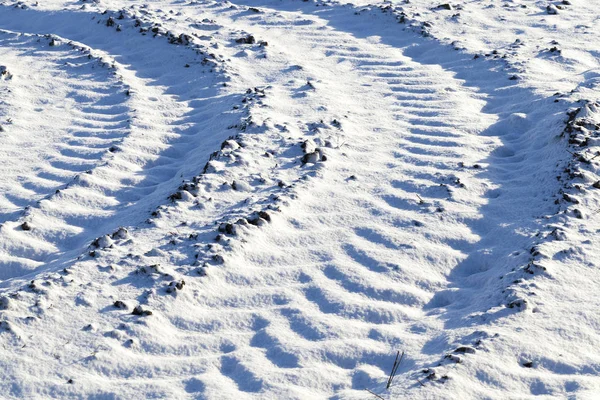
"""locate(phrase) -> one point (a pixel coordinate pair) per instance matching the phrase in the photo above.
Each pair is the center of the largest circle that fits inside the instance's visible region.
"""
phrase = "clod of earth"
(139, 311)
(246, 40)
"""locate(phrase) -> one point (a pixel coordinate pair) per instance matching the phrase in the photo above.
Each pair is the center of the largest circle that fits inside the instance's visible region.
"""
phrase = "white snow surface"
(273, 199)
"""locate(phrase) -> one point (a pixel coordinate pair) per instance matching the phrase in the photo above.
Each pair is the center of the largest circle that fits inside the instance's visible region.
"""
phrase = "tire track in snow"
(343, 283)
(310, 307)
(121, 272)
(335, 303)
(344, 288)
(66, 129)
(171, 109)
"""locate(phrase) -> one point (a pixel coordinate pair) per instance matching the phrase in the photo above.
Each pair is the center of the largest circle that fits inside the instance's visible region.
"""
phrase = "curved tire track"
(454, 142)
(170, 109)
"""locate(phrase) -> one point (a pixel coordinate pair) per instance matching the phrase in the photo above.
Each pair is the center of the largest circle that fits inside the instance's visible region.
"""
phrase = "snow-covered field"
(273, 199)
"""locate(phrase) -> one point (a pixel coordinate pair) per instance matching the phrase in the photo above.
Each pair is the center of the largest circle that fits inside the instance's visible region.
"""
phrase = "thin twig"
(375, 394)
(397, 362)
(391, 377)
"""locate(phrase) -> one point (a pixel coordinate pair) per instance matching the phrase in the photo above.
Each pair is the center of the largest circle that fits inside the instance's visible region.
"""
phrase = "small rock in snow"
(552, 9)
(138, 310)
(241, 186)
(103, 242)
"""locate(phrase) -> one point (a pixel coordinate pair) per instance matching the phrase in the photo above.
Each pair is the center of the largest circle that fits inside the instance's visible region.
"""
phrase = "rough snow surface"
(270, 199)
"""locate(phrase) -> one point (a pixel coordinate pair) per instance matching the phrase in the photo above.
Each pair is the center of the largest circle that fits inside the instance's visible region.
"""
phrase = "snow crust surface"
(269, 199)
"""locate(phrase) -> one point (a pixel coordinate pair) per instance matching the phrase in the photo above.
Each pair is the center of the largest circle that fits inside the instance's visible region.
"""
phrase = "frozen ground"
(269, 199)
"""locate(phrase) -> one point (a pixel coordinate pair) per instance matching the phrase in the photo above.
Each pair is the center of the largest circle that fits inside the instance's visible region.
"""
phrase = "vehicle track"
(347, 277)
(65, 130)
(167, 120)
(316, 303)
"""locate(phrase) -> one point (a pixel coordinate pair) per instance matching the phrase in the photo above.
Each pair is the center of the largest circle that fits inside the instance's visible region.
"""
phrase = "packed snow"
(299, 199)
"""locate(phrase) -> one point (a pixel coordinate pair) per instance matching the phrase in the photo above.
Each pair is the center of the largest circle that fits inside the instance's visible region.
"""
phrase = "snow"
(271, 199)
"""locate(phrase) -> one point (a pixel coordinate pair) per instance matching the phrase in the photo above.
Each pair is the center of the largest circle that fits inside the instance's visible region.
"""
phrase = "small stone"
(311, 158)
(246, 40)
(465, 349)
(102, 242)
(230, 144)
(120, 234)
(138, 310)
(264, 215)
(175, 285)
(176, 196)
(4, 303)
(454, 358)
(519, 303)
(570, 199)
(241, 186)
(119, 304)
